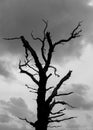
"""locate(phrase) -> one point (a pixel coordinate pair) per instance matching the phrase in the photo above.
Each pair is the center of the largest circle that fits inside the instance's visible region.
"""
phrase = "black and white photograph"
(46, 64)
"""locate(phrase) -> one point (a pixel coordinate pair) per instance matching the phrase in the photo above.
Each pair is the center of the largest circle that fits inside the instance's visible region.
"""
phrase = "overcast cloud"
(79, 98)
(20, 17)
(16, 107)
(11, 111)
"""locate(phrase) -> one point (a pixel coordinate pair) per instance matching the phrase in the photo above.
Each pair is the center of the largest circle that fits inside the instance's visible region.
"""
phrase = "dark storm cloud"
(79, 98)
(19, 17)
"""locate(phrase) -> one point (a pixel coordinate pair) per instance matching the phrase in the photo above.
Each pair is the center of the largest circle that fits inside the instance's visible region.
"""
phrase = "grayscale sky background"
(20, 17)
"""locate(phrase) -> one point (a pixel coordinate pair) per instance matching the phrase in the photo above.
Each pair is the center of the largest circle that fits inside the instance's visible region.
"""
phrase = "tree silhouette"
(40, 75)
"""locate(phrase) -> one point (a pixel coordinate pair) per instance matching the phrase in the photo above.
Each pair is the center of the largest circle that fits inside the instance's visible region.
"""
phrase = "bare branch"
(58, 112)
(26, 53)
(46, 25)
(63, 103)
(54, 93)
(54, 103)
(55, 70)
(27, 73)
(56, 116)
(15, 38)
(46, 107)
(50, 51)
(54, 126)
(32, 68)
(49, 75)
(59, 120)
(43, 41)
(30, 87)
(75, 33)
(43, 45)
(65, 94)
(36, 38)
(29, 122)
(28, 48)
(27, 64)
(49, 39)
(43, 51)
(33, 91)
(51, 105)
(32, 51)
(49, 88)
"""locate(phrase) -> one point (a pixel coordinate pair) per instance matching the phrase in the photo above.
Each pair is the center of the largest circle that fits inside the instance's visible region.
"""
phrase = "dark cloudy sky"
(20, 17)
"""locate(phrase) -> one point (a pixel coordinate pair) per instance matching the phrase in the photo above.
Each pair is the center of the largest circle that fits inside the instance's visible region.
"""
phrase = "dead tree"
(41, 75)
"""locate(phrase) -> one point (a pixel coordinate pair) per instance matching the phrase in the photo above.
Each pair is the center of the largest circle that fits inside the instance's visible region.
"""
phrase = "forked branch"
(60, 120)
(56, 116)
(26, 63)
(64, 94)
(32, 51)
(42, 40)
(50, 51)
(55, 70)
(35, 38)
(27, 47)
(63, 103)
(44, 105)
(49, 88)
(27, 73)
(43, 45)
(58, 112)
(29, 122)
(33, 90)
(74, 34)
(54, 93)
(46, 26)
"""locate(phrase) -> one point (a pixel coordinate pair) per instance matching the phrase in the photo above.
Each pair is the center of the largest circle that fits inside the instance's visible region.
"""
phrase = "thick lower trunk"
(42, 107)
(41, 127)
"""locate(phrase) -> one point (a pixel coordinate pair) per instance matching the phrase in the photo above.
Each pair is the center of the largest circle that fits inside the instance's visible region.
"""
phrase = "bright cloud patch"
(90, 3)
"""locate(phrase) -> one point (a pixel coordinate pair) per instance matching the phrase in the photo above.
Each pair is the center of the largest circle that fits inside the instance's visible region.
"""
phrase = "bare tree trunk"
(45, 106)
(41, 127)
(42, 108)
(42, 121)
